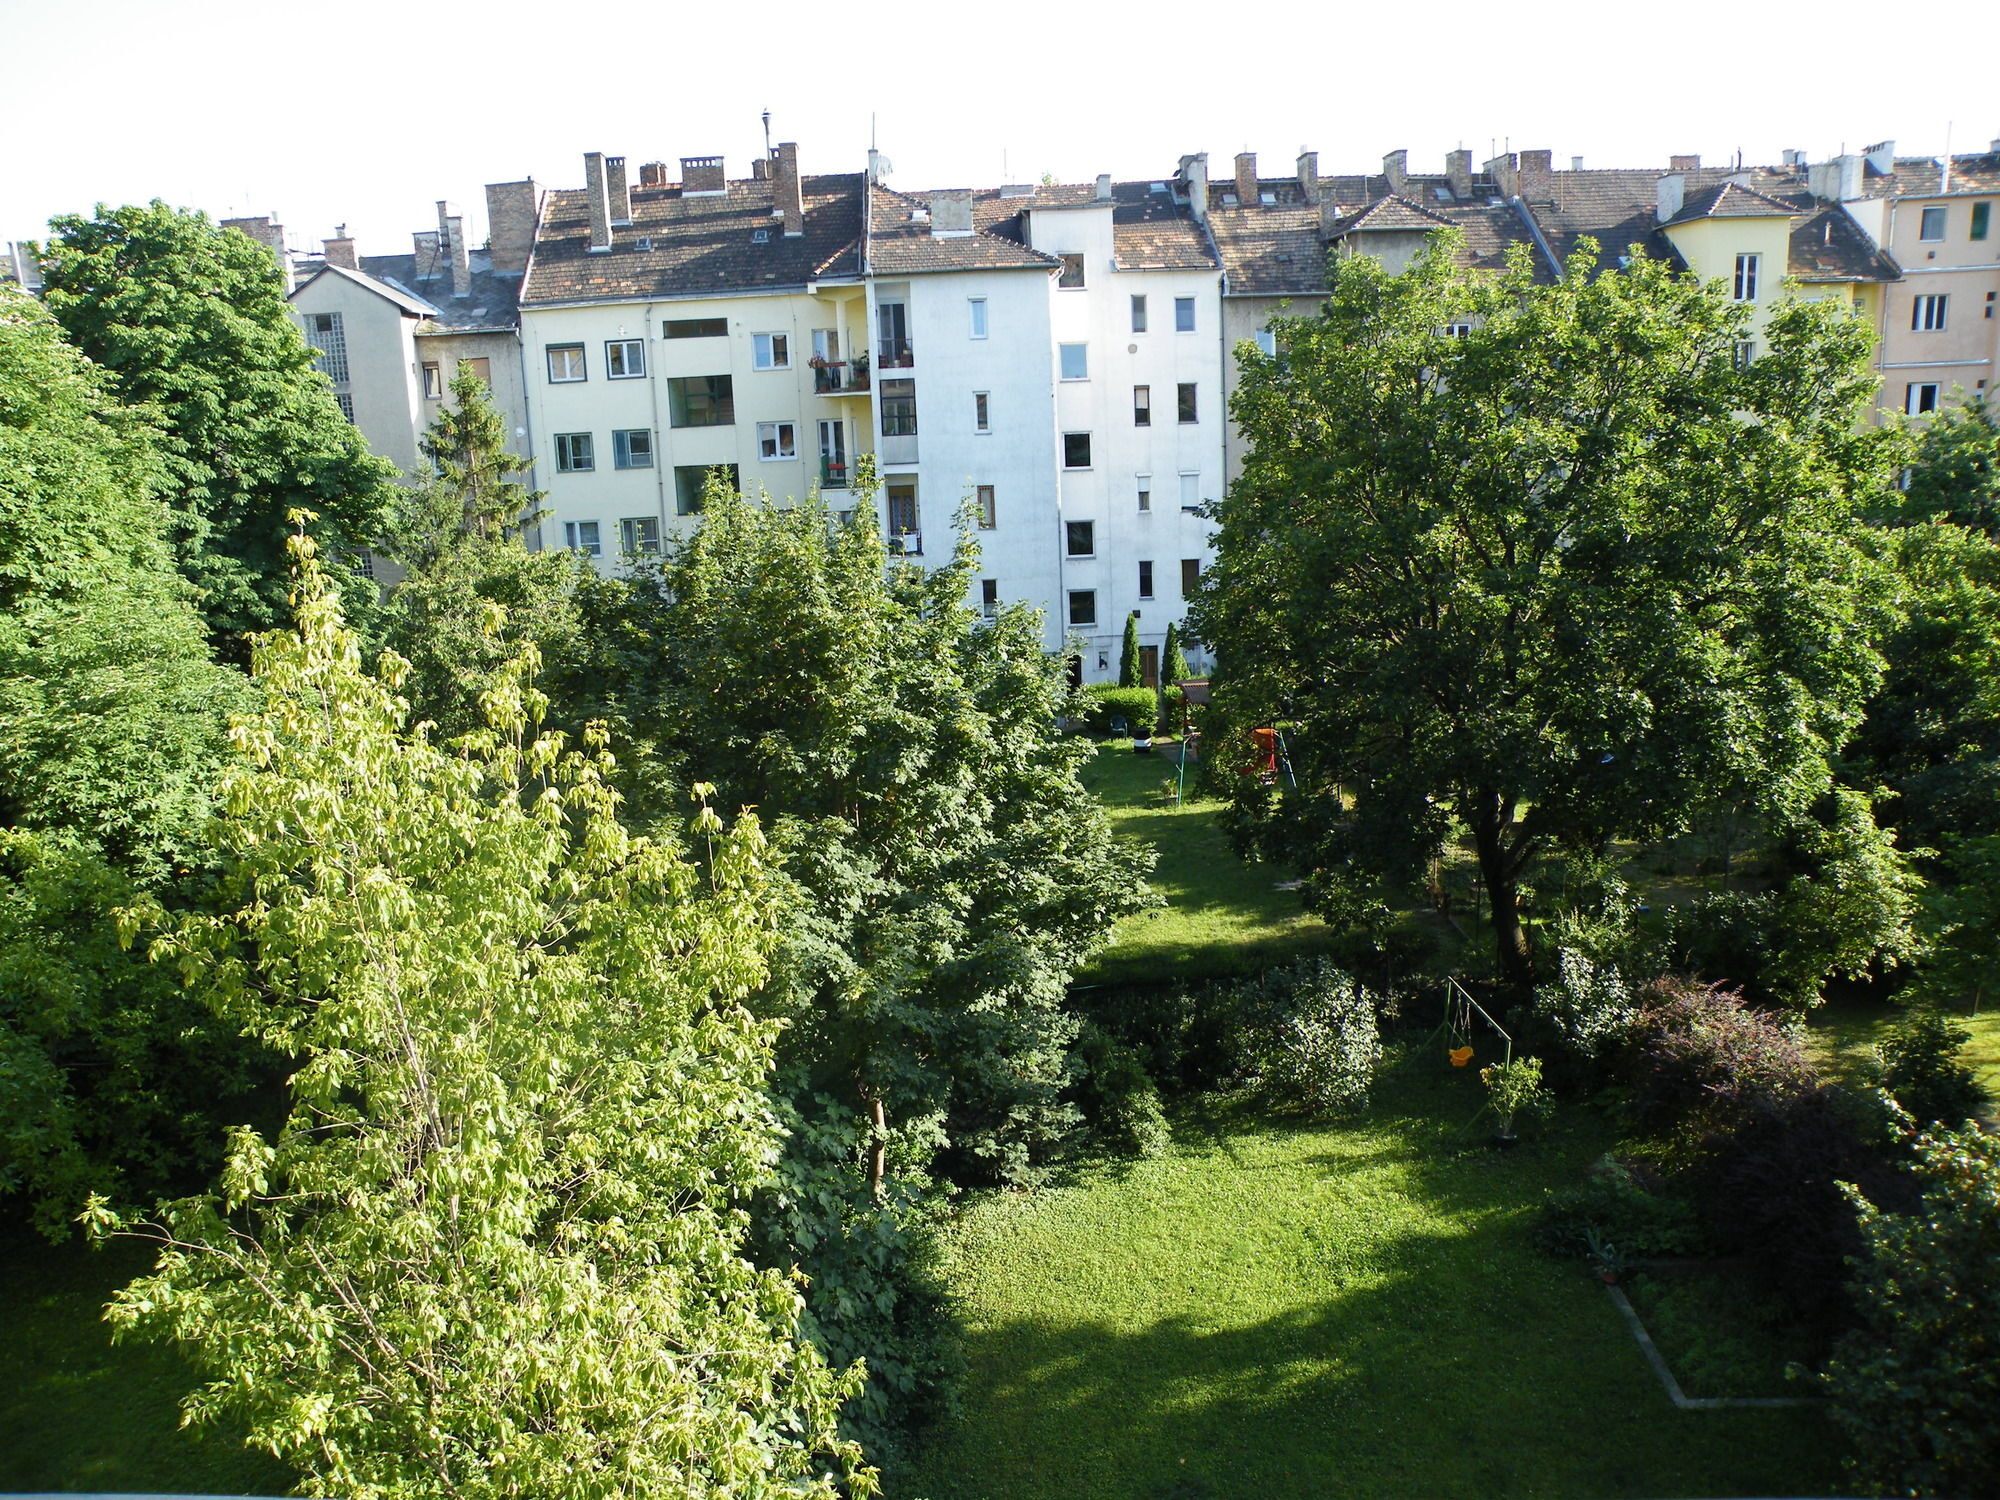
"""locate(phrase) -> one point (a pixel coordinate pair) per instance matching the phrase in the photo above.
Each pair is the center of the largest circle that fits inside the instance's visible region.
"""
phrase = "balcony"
(895, 354)
(839, 377)
(833, 473)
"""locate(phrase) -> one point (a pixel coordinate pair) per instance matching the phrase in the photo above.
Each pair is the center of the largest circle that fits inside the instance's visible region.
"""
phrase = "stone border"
(1673, 1387)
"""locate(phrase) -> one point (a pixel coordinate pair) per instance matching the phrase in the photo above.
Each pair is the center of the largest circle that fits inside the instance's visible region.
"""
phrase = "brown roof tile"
(1923, 176)
(1731, 200)
(900, 244)
(1830, 246)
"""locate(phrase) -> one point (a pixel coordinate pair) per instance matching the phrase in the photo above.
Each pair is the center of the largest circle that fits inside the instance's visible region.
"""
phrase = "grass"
(1271, 1311)
(1718, 1336)
(1842, 1034)
(77, 1412)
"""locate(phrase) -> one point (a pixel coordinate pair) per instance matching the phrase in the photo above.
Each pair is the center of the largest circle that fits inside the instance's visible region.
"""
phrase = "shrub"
(1916, 1385)
(1172, 700)
(1703, 1060)
(1725, 937)
(1118, 1097)
(1516, 1093)
(1614, 1206)
(1921, 1070)
(1313, 1044)
(1190, 1037)
(1583, 1017)
(1137, 706)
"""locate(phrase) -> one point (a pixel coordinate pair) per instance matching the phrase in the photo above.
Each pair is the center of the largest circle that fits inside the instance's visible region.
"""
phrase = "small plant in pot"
(1515, 1091)
(1606, 1259)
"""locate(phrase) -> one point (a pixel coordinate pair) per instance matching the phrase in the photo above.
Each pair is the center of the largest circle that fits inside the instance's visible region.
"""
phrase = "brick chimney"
(1669, 194)
(340, 250)
(786, 194)
(1309, 175)
(1684, 163)
(1537, 174)
(653, 174)
(597, 189)
(451, 240)
(424, 248)
(617, 191)
(1396, 167)
(760, 169)
(510, 224)
(1458, 172)
(271, 236)
(703, 176)
(1246, 178)
(1505, 172)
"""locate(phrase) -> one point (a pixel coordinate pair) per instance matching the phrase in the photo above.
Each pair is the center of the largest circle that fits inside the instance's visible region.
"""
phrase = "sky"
(367, 113)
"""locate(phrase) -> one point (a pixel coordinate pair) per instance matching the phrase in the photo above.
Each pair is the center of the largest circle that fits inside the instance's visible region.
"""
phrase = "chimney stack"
(1576, 164)
(1505, 172)
(340, 250)
(1309, 175)
(510, 224)
(424, 247)
(1670, 193)
(597, 190)
(268, 234)
(951, 213)
(1103, 187)
(786, 194)
(1458, 172)
(617, 191)
(451, 239)
(1396, 167)
(703, 177)
(1246, 178)
(1881, 156)
(1684, 163)
(653, 174)
(760, 169)
(1537, 174)
(1836, 181)
(878, 166)
(1193, 176)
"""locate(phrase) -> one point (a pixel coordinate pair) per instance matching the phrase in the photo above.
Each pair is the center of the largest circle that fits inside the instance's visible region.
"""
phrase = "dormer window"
(760, 236)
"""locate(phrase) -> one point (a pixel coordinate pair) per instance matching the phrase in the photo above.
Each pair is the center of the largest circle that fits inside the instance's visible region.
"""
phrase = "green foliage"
(496, 1249)
(1921, 1071)
(1703, 1062)
(1139, 707)
(1130, 671)
(1586, 1013)
(1849, 904)
(1961, 919)
(1955, 467)
(1916, 1386)
(1559, 582)
(1612, 1205)
(190, 320)
(1516, 1093)
(1118, 1096)
(1173, 659)
(1311, 1043)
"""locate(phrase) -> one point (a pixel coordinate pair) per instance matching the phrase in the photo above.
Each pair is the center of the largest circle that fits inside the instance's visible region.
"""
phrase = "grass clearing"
(1270, 1311)
(1842, 1034)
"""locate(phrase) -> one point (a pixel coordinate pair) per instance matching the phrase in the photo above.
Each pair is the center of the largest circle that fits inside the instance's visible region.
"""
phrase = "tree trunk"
(1500, 869)
(878, 1151)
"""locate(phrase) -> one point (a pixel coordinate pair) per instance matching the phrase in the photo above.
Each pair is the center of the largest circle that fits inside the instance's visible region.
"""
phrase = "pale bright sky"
(366, 112)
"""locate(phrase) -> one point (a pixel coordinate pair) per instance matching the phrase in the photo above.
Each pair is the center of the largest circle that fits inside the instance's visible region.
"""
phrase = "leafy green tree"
(190, 320)
(1961, 921)
(496, 1249)
(1130, 672)
(1556, 583)
(1916, 1386)
(1173, 659)
(1955, 467)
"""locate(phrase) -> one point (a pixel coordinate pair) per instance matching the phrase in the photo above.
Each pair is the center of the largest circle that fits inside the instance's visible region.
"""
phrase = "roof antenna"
(767, 133)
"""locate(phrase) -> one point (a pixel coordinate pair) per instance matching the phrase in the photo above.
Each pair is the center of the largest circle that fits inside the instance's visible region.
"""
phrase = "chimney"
(597, 191)
(451, 240)
(1538, 174)
(653, 174)
(510, 224)
(1309, 175)
(1684, 164)
(617, 191)
(340, 250)
(1103, 187)
(1836, 181)
(1396, 167)
(951, 213)
(271, 236)
(1881, 156)
(1576, 164)
(878, 166)
(1193, 176)
(1246, 178)
(1670, 193)
(786, 195)
(1458, 172)
(760, 169)
(703, 176)
(424, 245)
(1504, 171)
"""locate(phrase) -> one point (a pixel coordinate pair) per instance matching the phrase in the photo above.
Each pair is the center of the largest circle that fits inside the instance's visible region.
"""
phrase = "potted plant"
(1606, 1259)
(1514, 1090)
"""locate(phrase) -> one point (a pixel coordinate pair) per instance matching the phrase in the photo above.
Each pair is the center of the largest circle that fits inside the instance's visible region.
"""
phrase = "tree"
(1173, 660)
(1954, 471)
(496, 1248)
(1555, 583)
(1131, 673)
(469, 490)
(191, 321)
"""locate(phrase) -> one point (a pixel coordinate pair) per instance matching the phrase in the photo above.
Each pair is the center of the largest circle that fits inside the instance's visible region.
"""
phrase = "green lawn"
(77, 1413)
(1841, 1033)
(1271, 1311)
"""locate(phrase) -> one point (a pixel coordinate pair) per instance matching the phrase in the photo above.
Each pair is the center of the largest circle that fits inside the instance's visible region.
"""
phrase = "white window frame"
(1138, 312)
(1920, 397)
(1267, 342)
(1145, 578)
(1077, 468)
(1929, 312)
(1184, 315)
(982, 413)
(1069, 537)
(975, 312)
(1190, 486)
(433, 382)
(1073, 354)
(584, 537)
(1071, 264)
(1937, 214)
(573, 364)
(777, 442)
(1745, 353)
(1145, 494)
(1748, 267)
(1142, 406)
(986, 507)
(619, 352)
(989, 598)
(1069, 606)
(770, 351)
(570, 446)
(622, 450)
(633, 538)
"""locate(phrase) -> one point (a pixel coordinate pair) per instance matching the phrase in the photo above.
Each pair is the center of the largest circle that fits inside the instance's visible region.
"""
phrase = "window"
(691, 479)
(1191, 490)
(989, 516)
(904, 519)
(1745, 352)
(1183, 315)
(1142, 406)
(833, 454)
(1268, 342)
(975, 308)
(1746, 278)
(346, 404)
(696, 328)
(624, 359)
(640, 536)
(362, 562)
(581, 536)
(632, 448)
(899, 408)
(1072, 271)
(1145, 492)
(1076, 450)
(1075, 361)
(573, 453)
(1083, 606)
(1458, 330)
(323, 332)
(1185, 402)
(565, 363)
(1930, 226)
(482, 371)
(989, 597)
(701, 401)
(1145, 578)
(770, 351)
(1080, 538)
(1190, 575)
(1982, 218)
(777, 440)
(826, 345)
(1920, 397)
(1138, 312)
(1927, 312)
(1989, 304)
(892, 323)
(433, 383)
(982, 413)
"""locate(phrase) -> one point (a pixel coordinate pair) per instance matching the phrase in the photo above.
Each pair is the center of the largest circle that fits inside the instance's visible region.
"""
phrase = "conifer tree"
(1130, 671)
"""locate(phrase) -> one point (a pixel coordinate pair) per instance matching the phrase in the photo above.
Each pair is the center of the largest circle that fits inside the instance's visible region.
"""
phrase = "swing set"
(1462, 1014)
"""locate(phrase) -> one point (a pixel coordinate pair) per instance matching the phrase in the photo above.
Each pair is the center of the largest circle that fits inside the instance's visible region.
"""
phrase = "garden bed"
(1721, 1337)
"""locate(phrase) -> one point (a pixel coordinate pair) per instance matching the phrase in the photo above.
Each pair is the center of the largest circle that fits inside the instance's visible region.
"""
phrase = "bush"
(1119, 1099)
(1314, 1043)
(1583, 1018)
(1190, 1037)
(1615, 1206)
(1703, 1060)
(1917, 1386)
(1139, 707)
(1172, 701)
(1921, 1070)
(1725, 937)
(1516, 1093)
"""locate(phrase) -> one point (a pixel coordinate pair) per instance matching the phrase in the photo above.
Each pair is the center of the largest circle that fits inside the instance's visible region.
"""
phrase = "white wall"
(383, 380)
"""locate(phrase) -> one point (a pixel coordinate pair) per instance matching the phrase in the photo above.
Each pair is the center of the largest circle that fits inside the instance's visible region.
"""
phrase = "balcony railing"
(838, 377)
(895, 354)
(832, 473)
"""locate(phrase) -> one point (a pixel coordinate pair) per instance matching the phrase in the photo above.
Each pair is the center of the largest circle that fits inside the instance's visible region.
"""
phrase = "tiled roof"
(1830, 246)
(403, 298)
(1731, 200)
(1276, 249)
(493, 301)
(899, 245)
(1617, 206)
(1391, 213)
(1149, 231)
(698, 244)
(1923, 176)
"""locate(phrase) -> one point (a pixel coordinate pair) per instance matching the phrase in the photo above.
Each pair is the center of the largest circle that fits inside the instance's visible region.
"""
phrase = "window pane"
(1190, 574)
(1186, 401)
(1184, 315)
(702, 400)
(566, 362)
(1145, 580)
(1072, 271)
(1076, 450)
(981, 413)
(1075, 361)
(899, 408)
(697, 328)
(988, 517)
(1142, 406)
(1138, 314)
(1082, 538)
(1082, 607)
(977, 307)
